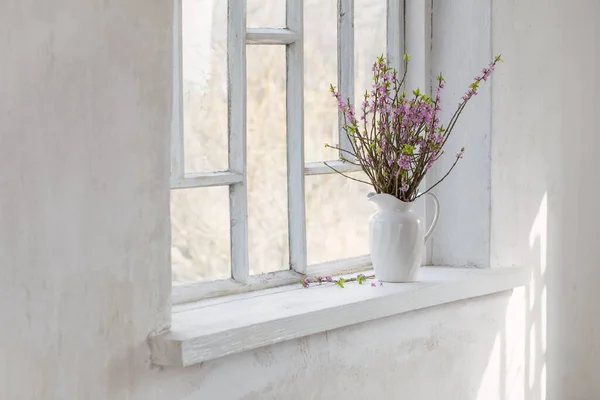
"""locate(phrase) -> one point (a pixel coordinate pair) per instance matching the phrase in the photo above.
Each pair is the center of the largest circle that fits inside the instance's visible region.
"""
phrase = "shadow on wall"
(516, 368)
(536, 295)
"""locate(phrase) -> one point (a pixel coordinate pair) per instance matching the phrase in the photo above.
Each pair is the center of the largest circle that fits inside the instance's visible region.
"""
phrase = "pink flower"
(404, 162)
(373, 284)
(430, 163)
(401, 130)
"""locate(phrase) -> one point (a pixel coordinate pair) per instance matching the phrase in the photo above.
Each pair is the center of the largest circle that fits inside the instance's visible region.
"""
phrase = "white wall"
(545, 184)
(84, 201)
(84, 251)
(461, 47)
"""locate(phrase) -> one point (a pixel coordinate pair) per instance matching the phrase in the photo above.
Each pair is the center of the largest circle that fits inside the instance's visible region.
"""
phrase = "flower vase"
(397, 238)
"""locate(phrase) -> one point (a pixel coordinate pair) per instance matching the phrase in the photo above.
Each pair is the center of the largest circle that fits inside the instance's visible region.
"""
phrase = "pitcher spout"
(387, 202)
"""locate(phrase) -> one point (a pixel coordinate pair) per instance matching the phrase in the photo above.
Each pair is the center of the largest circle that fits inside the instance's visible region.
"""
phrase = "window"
(250, 105)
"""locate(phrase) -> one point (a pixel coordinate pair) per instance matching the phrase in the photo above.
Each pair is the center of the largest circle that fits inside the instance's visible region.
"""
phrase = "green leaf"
(408, 149)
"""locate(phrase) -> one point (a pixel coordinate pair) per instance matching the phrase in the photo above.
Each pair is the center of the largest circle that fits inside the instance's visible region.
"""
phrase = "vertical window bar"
(177, 160)
(345, 57)
(418, 45)
(295, 137)
(395, 34)
(236, 99)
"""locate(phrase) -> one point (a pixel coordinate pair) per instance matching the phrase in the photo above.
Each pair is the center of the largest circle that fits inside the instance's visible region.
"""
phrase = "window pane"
(267, 168)
(205, 84)
(200, 234)
(337, 214)
(369, 42)
(320, 70)
(265, 13)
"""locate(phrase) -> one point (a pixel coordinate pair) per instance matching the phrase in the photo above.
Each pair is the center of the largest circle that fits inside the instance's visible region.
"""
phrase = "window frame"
(238, 37)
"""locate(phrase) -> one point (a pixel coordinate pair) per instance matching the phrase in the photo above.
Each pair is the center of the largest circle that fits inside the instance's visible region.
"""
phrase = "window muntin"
(241, 41)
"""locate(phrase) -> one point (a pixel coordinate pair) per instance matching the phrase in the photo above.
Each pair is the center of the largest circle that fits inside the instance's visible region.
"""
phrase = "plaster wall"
(84, 234)
(545, 183)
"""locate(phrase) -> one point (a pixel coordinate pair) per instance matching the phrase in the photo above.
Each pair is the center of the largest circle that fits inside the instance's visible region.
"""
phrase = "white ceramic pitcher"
(397, 238)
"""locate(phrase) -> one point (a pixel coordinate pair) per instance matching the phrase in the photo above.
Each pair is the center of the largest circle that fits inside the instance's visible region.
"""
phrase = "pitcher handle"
(435, 216)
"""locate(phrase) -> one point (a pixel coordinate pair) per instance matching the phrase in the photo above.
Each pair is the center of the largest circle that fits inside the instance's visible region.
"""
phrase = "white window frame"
(238, 37)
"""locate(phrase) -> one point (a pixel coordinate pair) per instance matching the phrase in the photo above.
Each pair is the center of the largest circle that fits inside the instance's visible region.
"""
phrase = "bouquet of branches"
(398, 136)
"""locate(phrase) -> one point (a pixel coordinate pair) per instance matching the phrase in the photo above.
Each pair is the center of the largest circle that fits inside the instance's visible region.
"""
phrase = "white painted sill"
(215, 328)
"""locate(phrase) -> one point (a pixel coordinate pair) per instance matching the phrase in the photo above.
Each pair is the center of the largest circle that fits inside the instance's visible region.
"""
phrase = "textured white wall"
(545, 184)
(84, 251)
(84, 121)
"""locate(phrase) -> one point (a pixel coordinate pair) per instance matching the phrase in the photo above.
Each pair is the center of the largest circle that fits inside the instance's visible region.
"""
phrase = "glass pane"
(267, 168)
(265, 13)
(205, 84)
(200, 234)
(337, 214)
(320, 70)
(369, 41)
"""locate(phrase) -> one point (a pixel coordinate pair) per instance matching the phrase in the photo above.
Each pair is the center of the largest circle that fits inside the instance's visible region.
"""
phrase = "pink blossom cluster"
(398, 135)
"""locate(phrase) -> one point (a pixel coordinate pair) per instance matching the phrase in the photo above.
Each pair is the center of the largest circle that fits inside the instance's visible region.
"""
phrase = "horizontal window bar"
(206, 179)
(319, 168)
(188, 292)
(270, 36)
(340, 267)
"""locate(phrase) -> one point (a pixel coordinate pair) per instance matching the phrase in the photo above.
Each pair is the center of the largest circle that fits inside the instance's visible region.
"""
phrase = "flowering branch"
(398, 136)
(360, 278)
(344, 175)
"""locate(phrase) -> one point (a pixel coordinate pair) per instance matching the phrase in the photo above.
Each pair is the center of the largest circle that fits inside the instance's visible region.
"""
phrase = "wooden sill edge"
(211, 331)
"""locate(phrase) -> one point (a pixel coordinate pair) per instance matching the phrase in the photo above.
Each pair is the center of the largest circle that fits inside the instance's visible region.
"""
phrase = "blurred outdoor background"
(336, 208)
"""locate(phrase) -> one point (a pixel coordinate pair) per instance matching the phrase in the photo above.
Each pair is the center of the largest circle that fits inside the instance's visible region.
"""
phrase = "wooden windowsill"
(218, 327)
